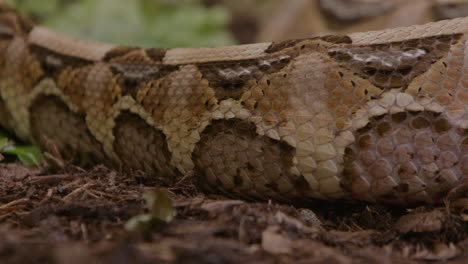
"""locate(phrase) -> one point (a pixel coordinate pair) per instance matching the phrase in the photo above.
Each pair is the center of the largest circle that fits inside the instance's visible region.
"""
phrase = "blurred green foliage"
(29, 155)
(155, 23)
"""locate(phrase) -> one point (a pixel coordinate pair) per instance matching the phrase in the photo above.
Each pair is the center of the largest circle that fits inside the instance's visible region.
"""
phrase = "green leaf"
(29, 155)
(140, 222)
(160, 204)
(3, 142)
(161, 210)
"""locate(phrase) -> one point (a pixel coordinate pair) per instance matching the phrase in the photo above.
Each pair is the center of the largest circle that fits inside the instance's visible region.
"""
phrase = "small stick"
(13, 203)
(81, 189)
(52, 179)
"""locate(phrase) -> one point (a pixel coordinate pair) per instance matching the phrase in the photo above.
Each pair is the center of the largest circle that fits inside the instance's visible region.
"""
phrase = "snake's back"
(378, 116)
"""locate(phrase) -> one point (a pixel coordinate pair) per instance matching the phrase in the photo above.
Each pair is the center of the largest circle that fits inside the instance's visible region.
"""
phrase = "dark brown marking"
(14, 20)
(393, 65)
(135, 68)
(25, 24)
(238, 181)
(53, 63)
(302, 185)
(8, 27)
(142, 147)
(229, 78)
(118, 52)
(442, 125)
(156, 54)
(278, 46)
(6, 33)
(420, 122)
(282, 45)
(337, 39)
(232, 151)
(384, 128)
(51, 119)
(365, 142)
(11, 24)
(402, 187)
(5, 116)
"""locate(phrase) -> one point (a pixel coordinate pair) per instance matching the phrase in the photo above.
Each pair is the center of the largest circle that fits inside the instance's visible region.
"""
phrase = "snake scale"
(379, 116)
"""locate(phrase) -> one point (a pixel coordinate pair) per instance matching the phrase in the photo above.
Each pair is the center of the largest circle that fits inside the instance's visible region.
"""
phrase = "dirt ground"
(72, 215)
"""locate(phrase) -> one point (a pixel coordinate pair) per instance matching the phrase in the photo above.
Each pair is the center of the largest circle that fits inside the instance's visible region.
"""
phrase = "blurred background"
(196, 23)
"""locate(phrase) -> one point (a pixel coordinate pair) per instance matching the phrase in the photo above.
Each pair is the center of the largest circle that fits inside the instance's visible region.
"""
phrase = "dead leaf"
(275, 243)
(420, 222)
(440, 252)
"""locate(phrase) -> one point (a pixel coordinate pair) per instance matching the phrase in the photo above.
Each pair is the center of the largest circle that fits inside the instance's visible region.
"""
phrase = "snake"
(378, 116)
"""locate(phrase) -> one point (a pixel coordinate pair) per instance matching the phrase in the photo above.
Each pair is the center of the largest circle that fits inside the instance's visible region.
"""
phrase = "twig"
(52, 179)
(13, 203)
(81, 189)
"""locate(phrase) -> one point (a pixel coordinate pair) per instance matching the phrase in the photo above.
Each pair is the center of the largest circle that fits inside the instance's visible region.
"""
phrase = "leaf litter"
(68, 214)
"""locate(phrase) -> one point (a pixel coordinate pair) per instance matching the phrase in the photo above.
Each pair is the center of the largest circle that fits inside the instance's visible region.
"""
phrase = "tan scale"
(377, 116)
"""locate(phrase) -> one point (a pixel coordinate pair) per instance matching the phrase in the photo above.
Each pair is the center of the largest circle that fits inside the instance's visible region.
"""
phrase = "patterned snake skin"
(378, 116)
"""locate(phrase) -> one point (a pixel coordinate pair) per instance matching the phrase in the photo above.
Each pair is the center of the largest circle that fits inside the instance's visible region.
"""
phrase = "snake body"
(378, 116)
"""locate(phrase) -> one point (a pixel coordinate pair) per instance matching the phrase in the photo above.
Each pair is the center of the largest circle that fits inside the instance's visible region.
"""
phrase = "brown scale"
(398, 156)
(151, 98)
(339, 13)
(132, 67)
(142, 147)
(231, 158)
(67, 130)
(71, 81)
(394, 65)
(166, 99)
(156, 54)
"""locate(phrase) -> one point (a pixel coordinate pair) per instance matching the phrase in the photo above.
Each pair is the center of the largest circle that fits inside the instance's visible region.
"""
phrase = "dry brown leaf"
(420, 222)
(440, 252)
(275, 243)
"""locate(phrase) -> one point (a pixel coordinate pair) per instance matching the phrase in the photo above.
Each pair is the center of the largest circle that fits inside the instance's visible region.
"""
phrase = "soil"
(73, 215)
